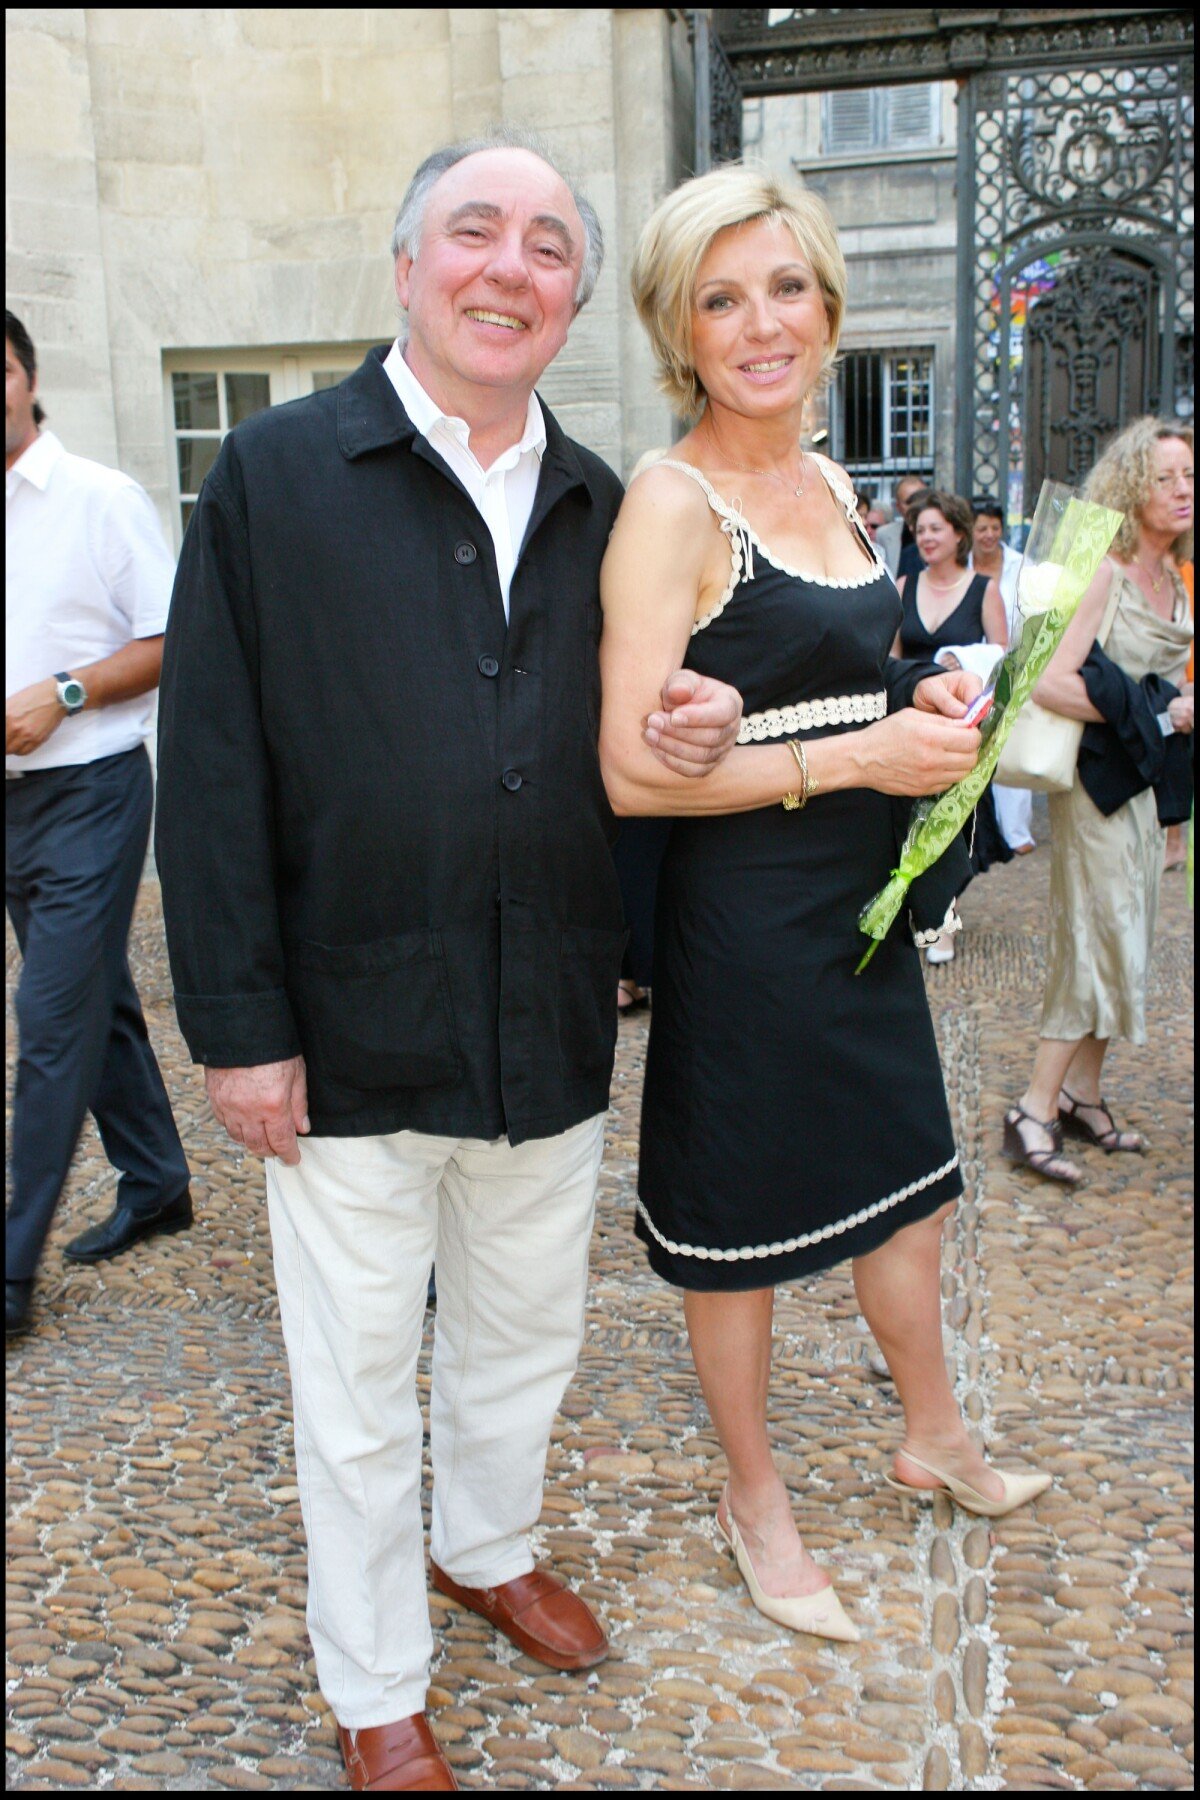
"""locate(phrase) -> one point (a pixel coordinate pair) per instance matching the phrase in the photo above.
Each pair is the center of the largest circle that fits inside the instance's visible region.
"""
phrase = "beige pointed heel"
(1018, 1490)
(819, 1614)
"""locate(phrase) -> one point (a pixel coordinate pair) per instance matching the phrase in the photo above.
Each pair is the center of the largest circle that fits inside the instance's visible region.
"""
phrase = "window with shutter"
(910, 117)
(848, 121)
(857, 120)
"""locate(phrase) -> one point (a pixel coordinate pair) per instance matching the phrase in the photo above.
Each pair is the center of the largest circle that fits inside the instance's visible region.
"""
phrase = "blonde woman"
(794, 1115)
(1105, 871)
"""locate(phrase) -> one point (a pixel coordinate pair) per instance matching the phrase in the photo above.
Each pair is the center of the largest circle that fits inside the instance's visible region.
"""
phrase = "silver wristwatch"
(72, 695)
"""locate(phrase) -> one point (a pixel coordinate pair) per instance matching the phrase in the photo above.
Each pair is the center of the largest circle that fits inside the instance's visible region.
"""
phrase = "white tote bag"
(1042, 748)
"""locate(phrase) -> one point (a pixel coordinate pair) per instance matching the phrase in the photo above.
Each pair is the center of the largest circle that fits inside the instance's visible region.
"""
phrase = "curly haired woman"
(1105, 871)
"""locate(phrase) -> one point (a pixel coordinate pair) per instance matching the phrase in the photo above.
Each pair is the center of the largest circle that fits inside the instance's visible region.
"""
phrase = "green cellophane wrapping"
(1083, 537)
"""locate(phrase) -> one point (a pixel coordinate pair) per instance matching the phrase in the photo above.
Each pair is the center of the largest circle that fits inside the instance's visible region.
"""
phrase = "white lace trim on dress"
(784, 1248)
(808, 715)
(949, 925)
(743, 541)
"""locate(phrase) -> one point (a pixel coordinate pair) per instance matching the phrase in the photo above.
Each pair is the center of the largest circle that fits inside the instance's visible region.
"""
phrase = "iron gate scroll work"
(1075, 174)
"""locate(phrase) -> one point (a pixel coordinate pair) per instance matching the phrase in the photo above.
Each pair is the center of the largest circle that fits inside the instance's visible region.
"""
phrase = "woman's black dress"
(964, 626)
(794, 1113)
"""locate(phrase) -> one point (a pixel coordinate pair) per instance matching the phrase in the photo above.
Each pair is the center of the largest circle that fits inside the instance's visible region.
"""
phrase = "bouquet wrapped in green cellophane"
(1066, 546)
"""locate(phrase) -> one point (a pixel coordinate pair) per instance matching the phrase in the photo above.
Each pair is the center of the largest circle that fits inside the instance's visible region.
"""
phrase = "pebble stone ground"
(156, 1576)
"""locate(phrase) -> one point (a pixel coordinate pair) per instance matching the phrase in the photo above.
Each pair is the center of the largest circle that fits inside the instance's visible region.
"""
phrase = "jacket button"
(488, 665)
(512, 780)
(465, 553)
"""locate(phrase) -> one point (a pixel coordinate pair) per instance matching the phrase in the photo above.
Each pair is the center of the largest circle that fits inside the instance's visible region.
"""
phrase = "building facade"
(200, 203)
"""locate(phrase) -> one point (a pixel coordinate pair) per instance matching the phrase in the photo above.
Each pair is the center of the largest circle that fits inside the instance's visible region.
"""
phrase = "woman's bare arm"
(995, 620)
(666, 560)
(1061, 688)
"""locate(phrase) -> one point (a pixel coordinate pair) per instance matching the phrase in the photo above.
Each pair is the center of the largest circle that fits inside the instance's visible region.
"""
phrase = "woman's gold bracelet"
(808, 783)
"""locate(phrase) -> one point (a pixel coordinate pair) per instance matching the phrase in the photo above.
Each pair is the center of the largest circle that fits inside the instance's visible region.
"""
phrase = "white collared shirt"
(87, 571)
(1006, 581)
(504, 494)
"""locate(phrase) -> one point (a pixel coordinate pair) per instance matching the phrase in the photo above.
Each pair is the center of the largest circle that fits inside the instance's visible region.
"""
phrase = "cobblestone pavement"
(156, 1581)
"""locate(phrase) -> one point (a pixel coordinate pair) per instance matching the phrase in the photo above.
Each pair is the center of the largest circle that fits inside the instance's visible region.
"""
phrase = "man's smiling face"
(491, 293)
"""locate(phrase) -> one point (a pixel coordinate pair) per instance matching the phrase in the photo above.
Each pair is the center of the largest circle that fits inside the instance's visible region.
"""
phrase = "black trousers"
(638, 852)
(75, 842)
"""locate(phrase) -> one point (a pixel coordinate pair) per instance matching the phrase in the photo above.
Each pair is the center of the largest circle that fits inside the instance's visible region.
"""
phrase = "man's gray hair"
(410, 219)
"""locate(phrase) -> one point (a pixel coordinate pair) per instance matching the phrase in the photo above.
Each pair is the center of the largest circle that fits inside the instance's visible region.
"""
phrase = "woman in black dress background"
(794, 1113)
(947, 607)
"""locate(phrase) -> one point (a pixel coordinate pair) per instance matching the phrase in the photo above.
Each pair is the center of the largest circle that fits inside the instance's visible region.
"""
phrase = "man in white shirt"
(88, 586)
(894, 537)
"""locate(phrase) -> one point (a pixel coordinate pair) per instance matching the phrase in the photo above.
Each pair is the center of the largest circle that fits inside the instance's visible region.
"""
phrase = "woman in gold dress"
(1105, 871)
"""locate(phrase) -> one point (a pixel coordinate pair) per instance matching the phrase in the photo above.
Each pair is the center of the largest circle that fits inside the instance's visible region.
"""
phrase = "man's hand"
(262, 1107)
(949, 694)
(30, 715)
(698, 725)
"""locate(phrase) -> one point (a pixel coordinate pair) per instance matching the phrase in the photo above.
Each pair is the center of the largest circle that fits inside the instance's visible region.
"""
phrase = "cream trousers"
(355, 1228)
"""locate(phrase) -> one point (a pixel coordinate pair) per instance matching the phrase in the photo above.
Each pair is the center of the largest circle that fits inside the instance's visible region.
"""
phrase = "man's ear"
(404, 265)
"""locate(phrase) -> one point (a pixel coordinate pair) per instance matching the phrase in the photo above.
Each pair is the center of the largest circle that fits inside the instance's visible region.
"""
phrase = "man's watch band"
(72, 695)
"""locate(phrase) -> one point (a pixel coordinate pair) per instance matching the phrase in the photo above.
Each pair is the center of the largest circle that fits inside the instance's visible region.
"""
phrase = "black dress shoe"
(123, 1228)
(17, 1295)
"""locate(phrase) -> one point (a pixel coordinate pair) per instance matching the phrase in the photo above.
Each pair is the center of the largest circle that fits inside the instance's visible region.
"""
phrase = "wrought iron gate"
(1075, 270)
(1075, 171)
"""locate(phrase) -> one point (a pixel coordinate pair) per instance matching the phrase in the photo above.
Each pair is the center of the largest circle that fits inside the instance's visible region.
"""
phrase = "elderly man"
(393, 919)
(895, 538)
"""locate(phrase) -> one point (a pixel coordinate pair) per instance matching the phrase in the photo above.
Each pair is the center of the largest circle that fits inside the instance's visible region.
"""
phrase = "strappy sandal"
(628, 1001)
(1040, 1161)
(1109, 1141)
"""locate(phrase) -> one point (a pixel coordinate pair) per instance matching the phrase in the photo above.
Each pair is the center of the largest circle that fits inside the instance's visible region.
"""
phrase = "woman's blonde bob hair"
(676, 240)
(1124, 479)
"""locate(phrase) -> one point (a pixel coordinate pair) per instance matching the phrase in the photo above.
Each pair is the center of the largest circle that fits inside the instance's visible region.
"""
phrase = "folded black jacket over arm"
(1128, 752)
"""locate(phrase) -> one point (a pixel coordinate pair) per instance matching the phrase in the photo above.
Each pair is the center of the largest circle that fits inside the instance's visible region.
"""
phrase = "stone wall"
(227, 179)
(53, 238)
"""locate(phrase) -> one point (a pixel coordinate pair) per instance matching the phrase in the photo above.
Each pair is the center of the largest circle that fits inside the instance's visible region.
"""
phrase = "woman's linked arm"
(664, 560)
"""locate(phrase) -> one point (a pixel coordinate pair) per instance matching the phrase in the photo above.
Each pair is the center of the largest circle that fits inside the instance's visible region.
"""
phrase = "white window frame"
(889, 354)
(890, 358)
(290, 370)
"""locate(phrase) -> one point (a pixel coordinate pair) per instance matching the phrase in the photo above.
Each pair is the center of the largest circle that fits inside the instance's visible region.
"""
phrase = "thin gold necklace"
(1162, 574)
(771, 474)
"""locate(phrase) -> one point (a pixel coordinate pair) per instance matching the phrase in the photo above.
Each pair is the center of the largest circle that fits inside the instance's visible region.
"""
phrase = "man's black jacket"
(382, 831)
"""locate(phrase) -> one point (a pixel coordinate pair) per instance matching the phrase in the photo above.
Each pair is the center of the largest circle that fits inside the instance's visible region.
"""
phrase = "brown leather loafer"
(539, 1614)
(395, 1759)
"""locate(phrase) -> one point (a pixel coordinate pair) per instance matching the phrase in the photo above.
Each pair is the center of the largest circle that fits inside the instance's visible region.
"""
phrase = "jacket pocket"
(377, 1015)
(589, 967)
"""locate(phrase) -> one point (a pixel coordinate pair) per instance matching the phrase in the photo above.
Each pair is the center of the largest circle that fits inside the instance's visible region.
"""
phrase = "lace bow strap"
(737, 530)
